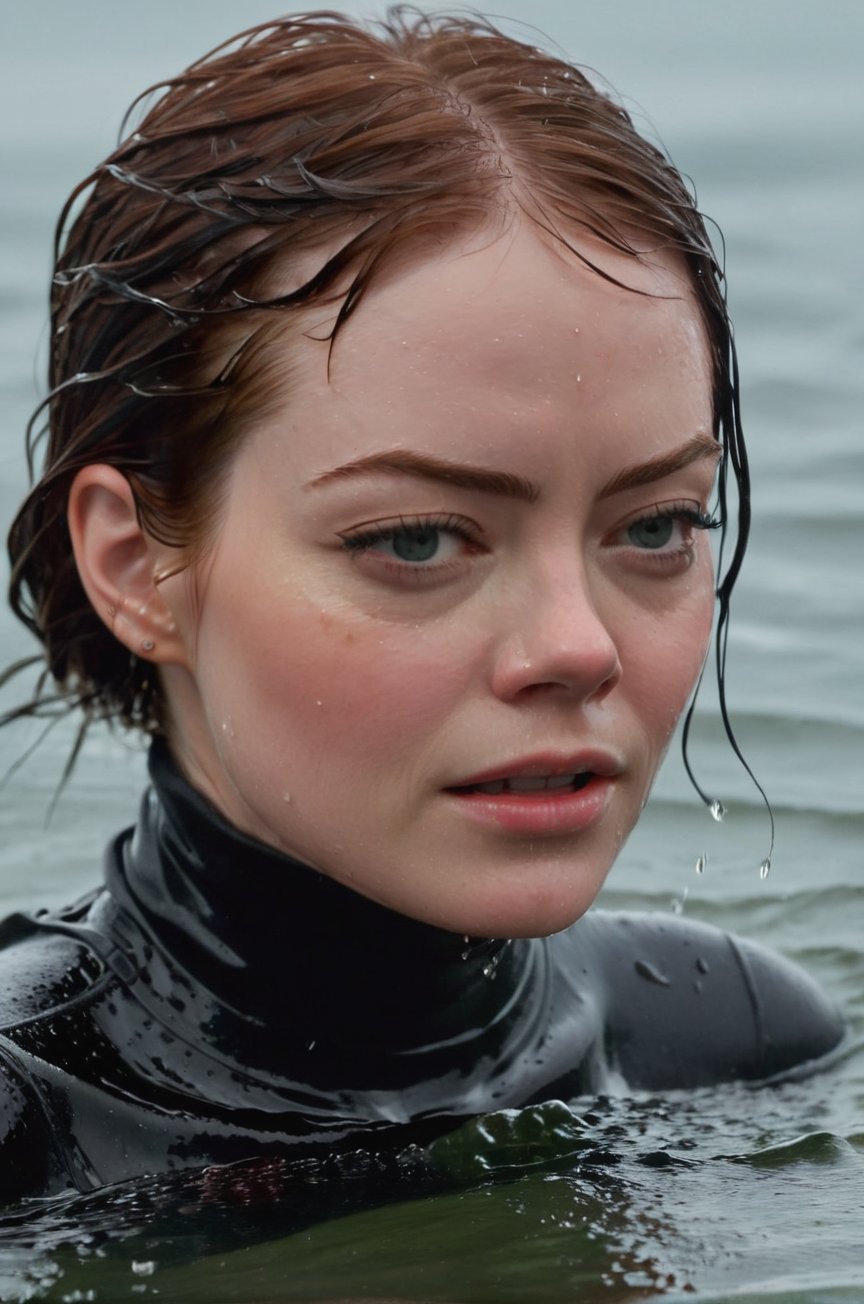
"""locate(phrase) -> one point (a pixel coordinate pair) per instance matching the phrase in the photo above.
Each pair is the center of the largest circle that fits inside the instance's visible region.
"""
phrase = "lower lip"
(550, 811)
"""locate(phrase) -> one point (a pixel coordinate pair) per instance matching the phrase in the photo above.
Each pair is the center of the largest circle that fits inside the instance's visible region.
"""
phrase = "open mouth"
(530, 785)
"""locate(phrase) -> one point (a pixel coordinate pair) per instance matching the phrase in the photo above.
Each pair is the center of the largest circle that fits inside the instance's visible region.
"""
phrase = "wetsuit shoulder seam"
(752, 995)
(32, 1092)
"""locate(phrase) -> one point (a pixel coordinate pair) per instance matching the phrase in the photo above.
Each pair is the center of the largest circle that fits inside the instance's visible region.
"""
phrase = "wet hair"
(312, 153)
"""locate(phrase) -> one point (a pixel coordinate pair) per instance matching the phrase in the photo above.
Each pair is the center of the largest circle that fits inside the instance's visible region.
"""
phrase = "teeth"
(530, 783)
(561, 781)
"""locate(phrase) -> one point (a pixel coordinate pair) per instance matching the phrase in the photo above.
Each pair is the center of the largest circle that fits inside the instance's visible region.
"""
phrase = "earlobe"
(117, 563)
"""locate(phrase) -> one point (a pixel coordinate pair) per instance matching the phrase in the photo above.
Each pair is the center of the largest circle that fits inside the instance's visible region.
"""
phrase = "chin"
(533, 917)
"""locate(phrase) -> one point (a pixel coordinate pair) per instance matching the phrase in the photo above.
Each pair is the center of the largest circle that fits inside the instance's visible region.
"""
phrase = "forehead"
(512, 323)
(521, 289)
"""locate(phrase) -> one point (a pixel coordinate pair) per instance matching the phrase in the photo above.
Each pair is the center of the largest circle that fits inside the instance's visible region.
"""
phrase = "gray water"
(761, 1194)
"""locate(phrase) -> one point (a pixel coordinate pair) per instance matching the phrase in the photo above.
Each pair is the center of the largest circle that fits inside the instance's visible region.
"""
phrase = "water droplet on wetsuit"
(650, 974)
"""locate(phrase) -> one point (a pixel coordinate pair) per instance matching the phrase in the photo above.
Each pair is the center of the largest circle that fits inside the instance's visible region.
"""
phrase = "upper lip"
(547, 765)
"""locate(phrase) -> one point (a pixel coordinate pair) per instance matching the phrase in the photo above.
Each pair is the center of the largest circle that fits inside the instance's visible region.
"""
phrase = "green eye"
(420, 544)
(652, 533)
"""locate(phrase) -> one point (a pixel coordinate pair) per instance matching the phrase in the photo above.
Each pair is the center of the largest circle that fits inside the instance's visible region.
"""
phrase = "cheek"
(319, 677)
(666, 655)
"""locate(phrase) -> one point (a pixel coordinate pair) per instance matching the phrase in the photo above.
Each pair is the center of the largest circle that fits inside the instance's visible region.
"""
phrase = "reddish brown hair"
(308, 134)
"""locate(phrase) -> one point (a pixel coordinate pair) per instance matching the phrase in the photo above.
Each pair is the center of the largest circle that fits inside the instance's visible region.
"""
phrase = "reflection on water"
(607, 1199)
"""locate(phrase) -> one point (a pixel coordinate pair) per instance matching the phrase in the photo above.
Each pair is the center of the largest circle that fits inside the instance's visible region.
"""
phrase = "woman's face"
(461, 587)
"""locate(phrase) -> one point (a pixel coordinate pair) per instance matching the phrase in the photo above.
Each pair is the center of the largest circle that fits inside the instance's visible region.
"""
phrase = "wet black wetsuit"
(216, 1001)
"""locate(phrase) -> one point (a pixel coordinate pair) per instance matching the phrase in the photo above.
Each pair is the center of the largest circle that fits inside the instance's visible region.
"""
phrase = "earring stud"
(147, 645)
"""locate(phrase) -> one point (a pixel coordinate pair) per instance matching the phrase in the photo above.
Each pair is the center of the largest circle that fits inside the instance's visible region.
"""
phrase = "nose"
(556, 640)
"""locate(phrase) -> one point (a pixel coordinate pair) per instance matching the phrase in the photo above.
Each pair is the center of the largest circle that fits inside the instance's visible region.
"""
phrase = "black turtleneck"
(216, 1000)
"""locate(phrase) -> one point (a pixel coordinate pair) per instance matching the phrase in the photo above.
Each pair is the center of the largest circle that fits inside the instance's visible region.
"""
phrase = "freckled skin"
(365, 693)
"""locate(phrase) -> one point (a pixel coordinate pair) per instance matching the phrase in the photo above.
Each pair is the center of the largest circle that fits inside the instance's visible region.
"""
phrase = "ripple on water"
(628, 1198)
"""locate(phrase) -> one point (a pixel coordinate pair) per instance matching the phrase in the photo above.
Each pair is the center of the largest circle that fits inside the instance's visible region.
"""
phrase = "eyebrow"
(402, 461)
(701, 446)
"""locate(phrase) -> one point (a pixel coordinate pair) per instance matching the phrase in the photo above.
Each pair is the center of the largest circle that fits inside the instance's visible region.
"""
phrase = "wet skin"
(368, 640)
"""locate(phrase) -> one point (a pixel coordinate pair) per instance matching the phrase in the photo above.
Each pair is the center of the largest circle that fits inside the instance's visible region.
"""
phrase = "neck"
(284, 952)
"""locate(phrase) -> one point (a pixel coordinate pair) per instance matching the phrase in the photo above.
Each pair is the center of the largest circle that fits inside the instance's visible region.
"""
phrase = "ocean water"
(733, 1194)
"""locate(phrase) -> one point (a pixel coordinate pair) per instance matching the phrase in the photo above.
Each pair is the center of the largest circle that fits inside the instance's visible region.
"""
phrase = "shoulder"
(45, 971)
(690, 1005)
(43, 966)
(29, 1163)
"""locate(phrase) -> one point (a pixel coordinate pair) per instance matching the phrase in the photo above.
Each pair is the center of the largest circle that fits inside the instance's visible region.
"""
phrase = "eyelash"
(683, 513)
(366, 536)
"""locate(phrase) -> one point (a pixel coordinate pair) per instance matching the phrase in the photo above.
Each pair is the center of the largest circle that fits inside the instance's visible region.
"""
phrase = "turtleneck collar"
(281, 951)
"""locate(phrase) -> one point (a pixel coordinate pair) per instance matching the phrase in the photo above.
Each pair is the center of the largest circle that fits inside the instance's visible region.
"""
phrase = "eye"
(666, 532)
(417, 543)
(662, 539)
(653, 532)
(424, 544)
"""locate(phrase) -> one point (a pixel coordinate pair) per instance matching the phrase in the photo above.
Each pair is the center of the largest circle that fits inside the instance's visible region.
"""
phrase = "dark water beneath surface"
(739, 1194)
(608, 1199)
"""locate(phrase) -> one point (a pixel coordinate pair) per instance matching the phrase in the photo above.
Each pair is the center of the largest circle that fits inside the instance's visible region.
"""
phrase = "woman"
(390, 378)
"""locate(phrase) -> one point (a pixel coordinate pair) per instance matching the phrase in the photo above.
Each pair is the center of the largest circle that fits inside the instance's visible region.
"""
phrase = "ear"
(118, 561)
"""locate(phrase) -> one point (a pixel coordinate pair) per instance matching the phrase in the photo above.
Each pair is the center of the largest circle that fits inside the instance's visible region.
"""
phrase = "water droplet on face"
(701, 864)
(286, 797)
(765, 868)
(718, 811)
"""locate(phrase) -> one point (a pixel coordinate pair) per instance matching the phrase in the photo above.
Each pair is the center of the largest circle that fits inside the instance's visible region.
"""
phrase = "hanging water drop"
(718, 811)
(765, 868)
(701, 864)
(678, 903)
